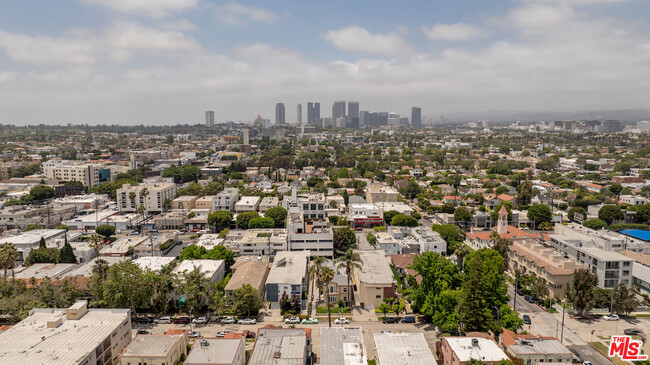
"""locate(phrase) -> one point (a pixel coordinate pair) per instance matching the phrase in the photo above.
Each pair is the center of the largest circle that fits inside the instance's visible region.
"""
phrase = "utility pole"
(562, 333)
(516, 287)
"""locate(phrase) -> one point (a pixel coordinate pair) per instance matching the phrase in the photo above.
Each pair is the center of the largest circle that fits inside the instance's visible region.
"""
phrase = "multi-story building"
(353, 114)
(279, 113)
(533, 349)
(76, 336)
(213, 270)
(209, 118)
(365, 215)
(185, 202)
(155, 349)
(263, 241)
(596, 251)
(429, 240)
(460, 350)
(342, 345)
(282, 346)
(217, 351)
(313, 113)
(247, 204)
(226, 199)
(312, 206)
(374, 281)
(529, 257)
(313, 235)
(155, 195)
(640, 270)
(388, 243)
(268, 203)
(402, 348)
(27, 241)
(247, 271)
(288, 275)
(61, 170)
(416, 117)
(338, 287)
(381, 193)
(338, 110)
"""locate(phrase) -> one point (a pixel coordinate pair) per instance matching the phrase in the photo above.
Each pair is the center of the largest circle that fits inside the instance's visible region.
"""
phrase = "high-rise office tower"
(209, 118)
(299, 112)
(245, 135)
(279, 113)
(313, 113)
(416, 117)
(353, 114)
(338, 110)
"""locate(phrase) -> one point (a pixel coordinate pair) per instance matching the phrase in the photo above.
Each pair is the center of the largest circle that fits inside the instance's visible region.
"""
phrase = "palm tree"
(141, 210)
(494, 236)
(132, 196)
(318, 263)
(95, 242)
(349, 261)
(8, 256)
(325, 276)
(460, 253)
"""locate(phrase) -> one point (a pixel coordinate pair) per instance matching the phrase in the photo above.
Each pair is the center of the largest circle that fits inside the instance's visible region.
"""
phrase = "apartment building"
(374, 280)
(226, 200)
(76, 335)
(155, 350)
(365, 215)
(402, 348)
(282, 346)
(381, 193)
(312, 206)
(206, 202)
(533, 349)
(27, 241)
(338, 287)
(61, 170)
(268, 203)
(342, 345)
(460, 350)
(247, 271)
(217, 351)
(596, 251)
(263, 241)
(640, 270)
(530, 257)
(429, 240)
(247, 204)
(154, 194)
(288, 275)
(387, 242)
(185, 202)
(309, 234)
(213, 270)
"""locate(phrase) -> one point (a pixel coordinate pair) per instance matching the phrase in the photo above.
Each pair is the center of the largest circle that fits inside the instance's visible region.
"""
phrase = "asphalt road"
(546, 324)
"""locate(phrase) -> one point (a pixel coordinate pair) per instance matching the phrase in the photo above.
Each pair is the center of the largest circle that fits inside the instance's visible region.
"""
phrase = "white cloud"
(577, 2)
(533, 16)
(237, 14)
(155, 8)
(454, 32)
(47, 50)
(357, 39)
(125, 38)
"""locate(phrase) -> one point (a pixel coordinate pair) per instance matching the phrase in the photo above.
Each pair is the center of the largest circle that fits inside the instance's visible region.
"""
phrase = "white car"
(292, 320)
(228, 320)
(165, 320)
(200, 320)
(247, 321)
(342, 320)
(611, 317)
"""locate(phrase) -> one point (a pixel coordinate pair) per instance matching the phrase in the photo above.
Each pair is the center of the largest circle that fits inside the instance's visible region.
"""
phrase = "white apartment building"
(60, 170)
(247, 204)
(388, 243)
(307, 234)
(226, 200)
(153, 194)
(312, 206)
(263, 241)
(381, 193)
(429, 240)
(288, 275)
(77, 336)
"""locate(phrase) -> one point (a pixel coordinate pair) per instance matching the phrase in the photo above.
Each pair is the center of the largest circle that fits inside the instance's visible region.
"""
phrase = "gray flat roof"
(279, 347)
(342, 345)
(403, 349)
(289, 267)
(151, 345)
(214, 351)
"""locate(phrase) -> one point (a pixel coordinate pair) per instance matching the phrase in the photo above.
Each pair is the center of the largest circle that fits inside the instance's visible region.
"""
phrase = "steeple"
(502, 225)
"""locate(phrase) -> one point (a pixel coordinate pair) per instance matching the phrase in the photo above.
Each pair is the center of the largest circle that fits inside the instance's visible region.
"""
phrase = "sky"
(168, 61)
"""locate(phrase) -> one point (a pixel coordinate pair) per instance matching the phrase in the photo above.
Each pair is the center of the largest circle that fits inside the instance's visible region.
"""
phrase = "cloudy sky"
(167, 61)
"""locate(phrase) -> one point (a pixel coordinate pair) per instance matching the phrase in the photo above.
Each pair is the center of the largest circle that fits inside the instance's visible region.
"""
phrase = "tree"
(8, 257)
(41, 243)
(346, 197)
(194, 287)
(483, 290)
(616, 189)
(105, 230)
(643, 213)
(548, 163)
(127, 286)
(325, 276)
(47, 255)
(404, 220)
(42, 192)
(261, 223)
(196, 252)
(611, 213)
(451, 233)
(344, 238)
(278, 214)
(349, 261)
(623, 300)
(247, 301)
(596, 224)
(388, 216)
(460, 253)
(475, 362)
(220, 219)
(545, 226)
(462, 214)
(244, 218)
(526, 192)
(540, 213)
(502, 246)
(192, 188)
(384, 308)
(66, 254)
(317, 262)
(371, 238)
(95, 242)
(411, 190)
(571, 214)
(581, 290)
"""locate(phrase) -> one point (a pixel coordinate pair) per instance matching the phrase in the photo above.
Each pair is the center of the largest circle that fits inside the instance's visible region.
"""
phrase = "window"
(378, 296)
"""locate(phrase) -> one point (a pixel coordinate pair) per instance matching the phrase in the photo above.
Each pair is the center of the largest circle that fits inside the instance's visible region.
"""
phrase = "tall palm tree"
(141, 211)
(460, 253)
(318, 263)
(349, 261)
(325, 276)
(132, 196)
(95, 242)
(8, 256)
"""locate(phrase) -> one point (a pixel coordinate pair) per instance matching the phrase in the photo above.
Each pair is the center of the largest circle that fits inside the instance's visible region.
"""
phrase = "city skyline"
(159, 62)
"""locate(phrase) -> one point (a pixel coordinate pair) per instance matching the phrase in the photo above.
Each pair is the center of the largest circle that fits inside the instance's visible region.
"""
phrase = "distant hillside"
(624, 115)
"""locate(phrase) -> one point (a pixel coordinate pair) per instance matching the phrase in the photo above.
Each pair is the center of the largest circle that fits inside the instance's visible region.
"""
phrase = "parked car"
(144, 320)
(200, 320)
(576, 357)
(181, 320)
(165, 319)
(342, 320)
(143, 332)
(292, 320)
(310, 320)
(358, 229)
(527, 319)
(249, 334)
(611, 317)
(221, 334)
(390, 320)
(529, 299)
(587, 363)
(247, 321)
(228, 320)
(408, 319)
(194, 334)
(135, 233)
(632, 332)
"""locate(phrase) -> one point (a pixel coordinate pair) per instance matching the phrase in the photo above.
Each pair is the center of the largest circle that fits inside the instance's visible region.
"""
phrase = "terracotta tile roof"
(506, 197)
(403, 261)
(637, 256)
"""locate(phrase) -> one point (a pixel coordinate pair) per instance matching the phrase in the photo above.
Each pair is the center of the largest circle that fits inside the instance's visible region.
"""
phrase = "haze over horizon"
(167, 61)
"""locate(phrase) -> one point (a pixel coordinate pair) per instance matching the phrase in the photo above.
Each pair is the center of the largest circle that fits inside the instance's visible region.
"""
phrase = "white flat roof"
(403, 349)
(375, 268)
(153, 263)
(486, 350)
(151, 345)
(40, 271)
(342, 345)
(206, 267)
(214, 351)
(289, 267)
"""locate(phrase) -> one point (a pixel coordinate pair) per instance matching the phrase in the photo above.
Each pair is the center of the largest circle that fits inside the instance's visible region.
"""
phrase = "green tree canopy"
(105, 230)
(610, 213)
(404, 221)
(278, 214)
(247, 301)
(42, 192)
(595, 224)
(220, 219)
(388, 216)
(540, 213)
(344, 238)
(571, 213)
(244, 218)
(261, 223)
(581, 292)
(462, 214)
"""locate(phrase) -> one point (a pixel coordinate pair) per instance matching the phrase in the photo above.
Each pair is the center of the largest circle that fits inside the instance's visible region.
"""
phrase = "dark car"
(527, 319)
(529, 299)
(576, 357)
(390, 320)
(143, 332)
(181, 320)
(408, 319)
(144, 320)
(249, 334)
(633, 332)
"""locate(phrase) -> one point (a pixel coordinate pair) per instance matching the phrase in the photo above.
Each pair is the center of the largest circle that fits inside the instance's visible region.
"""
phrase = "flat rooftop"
(151, 345)
(250, 272)
(153, 263)
(485, 350)
(279, 347)
(288, 267)
(403, 348)
(539, 346)
(206, 267)
(40, 271)
(32, 342)
(214, 351)
(342, 345)
(375, 268)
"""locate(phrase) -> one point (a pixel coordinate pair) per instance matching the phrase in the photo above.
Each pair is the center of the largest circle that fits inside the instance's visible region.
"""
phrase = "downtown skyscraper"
(416, 117)
(209, 118)
(313, 113)
(353, 114)
(279, 113)
(338, 111)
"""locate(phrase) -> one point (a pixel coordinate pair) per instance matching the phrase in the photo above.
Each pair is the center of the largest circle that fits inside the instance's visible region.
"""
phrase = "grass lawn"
(333, 309)
(604, 350)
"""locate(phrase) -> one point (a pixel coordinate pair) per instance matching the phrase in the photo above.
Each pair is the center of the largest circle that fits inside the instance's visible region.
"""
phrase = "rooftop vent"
(475, 342)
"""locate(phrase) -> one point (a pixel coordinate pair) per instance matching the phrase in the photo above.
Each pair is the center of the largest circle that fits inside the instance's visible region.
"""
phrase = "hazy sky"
(167, 61)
